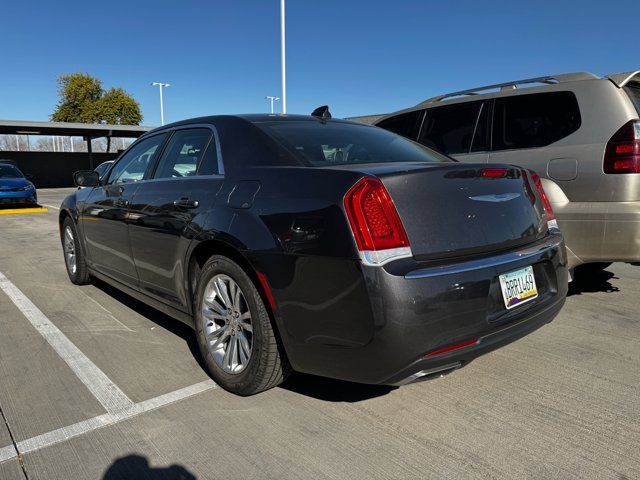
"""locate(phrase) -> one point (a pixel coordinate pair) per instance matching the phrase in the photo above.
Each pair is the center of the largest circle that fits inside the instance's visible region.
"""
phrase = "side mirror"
(86, 178)
(28, 176)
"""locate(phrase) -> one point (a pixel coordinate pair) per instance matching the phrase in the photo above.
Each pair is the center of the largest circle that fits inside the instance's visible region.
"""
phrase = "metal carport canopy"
(93, 130)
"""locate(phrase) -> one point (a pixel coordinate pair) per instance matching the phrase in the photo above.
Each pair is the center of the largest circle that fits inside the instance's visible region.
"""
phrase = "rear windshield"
(633, 90)
(320, 144)
(9, 171)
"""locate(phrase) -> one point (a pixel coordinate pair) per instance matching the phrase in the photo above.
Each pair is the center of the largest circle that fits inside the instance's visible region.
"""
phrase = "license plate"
(518, 287)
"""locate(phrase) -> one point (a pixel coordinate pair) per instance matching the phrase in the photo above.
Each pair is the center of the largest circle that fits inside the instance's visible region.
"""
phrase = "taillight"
(374, 221)
(622, 154)
(548, 210)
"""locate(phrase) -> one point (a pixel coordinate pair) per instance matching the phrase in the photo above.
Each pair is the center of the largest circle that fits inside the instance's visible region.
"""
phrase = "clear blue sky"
(358, 56)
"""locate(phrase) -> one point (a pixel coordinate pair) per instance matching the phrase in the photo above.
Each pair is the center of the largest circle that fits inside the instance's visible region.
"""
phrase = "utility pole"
(283, 57)
(161, 85)
(273, 99)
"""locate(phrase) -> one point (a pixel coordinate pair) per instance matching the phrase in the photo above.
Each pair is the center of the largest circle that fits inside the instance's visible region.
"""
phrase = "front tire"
(74, 258)
(234, 332)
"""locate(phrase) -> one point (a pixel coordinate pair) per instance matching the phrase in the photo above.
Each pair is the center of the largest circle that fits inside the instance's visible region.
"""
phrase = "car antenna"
(322, 113)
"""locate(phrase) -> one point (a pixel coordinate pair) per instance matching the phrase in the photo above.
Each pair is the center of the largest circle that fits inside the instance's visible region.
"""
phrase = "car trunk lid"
(463, 209)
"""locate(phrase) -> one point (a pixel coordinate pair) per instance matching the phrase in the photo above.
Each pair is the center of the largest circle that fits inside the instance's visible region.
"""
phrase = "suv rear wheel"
(234, 331)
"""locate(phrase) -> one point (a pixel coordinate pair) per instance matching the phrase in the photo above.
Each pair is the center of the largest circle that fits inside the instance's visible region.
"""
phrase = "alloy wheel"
(227, 324)
(70, 250)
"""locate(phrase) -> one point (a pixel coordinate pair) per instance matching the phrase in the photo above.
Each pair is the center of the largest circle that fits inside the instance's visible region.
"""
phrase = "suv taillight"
(622, 154)
(374, 221)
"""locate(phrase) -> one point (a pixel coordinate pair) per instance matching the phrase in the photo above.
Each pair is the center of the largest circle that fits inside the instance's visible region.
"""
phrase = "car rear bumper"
(600, 231)
(415, 308)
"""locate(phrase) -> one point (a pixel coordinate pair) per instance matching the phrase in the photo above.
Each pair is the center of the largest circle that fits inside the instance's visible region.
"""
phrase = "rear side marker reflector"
(375, 224)
(451, 348)
(267, 290)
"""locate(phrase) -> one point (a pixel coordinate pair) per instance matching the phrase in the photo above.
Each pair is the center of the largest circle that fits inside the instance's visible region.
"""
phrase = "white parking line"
(106, 392)
(50, 206)
(80, 428)
(119, 407)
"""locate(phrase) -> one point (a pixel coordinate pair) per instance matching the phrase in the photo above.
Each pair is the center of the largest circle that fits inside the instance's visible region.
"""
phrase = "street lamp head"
(160, 84)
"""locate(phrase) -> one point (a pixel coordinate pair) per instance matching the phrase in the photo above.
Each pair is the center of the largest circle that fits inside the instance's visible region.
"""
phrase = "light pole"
(161, 85)
(273, 99)
(282, 55)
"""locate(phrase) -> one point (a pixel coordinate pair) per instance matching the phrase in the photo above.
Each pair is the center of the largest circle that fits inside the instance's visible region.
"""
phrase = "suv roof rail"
(549, 79)
(621, 79)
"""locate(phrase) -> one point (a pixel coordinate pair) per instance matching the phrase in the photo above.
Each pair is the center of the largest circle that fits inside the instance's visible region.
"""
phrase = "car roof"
(251, 118)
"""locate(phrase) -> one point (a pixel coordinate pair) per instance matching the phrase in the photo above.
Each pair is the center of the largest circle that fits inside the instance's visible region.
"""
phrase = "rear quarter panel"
(297, 235)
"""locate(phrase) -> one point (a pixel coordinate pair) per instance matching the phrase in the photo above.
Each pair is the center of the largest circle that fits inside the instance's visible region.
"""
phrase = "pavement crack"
(15, 445)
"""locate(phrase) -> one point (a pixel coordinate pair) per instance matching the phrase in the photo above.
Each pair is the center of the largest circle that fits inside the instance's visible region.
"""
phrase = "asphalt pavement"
(95, 385)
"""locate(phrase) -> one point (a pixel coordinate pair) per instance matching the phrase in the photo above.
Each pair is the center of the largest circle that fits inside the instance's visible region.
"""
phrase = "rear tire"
(74, 258)
(237, 341)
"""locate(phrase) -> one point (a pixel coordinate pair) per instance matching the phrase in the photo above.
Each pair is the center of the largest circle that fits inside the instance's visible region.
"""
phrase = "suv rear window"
(536, 120)
(633, 90)
(320, 144)
(405, 124)
(449, 129)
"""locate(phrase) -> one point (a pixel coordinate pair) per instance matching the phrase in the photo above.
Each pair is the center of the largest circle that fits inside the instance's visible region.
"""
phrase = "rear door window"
(183, 153)
(536, 120)
(449, 129)
(405, 124)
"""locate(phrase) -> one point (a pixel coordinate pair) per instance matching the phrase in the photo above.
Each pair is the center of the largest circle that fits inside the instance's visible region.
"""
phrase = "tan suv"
(579, 131)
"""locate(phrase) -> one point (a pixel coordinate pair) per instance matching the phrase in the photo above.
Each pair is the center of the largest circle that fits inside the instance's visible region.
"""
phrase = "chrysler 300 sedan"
(321, 246)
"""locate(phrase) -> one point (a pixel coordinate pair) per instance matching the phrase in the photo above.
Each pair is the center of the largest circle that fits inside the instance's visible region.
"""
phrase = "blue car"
(15, 189)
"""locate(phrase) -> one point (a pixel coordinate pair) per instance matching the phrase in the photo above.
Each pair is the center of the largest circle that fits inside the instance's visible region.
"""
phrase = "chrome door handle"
(185, 203)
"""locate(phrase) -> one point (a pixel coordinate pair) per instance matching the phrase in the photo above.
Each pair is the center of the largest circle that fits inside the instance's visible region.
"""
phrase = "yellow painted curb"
(12, 211)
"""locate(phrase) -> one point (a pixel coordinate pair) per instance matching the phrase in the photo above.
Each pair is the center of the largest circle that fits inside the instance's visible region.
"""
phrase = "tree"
(83, 100)
(117, 107)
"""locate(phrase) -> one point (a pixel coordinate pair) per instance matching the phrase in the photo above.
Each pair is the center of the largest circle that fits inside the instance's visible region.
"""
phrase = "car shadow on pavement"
(331, 390)
(137, 467)
(596, 282)
(161, 319)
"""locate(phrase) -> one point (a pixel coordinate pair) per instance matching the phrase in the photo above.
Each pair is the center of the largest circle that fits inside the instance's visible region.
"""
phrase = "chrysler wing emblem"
(496, 197)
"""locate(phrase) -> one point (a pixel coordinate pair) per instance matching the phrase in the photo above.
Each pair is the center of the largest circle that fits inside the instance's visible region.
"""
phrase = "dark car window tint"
(633, 90)
(133, 164)
(183, 153)
(480, 142)
(9, 171)
(209, 163)
(536, 120)
(449, 129)
(333, 143)
(405, 124)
